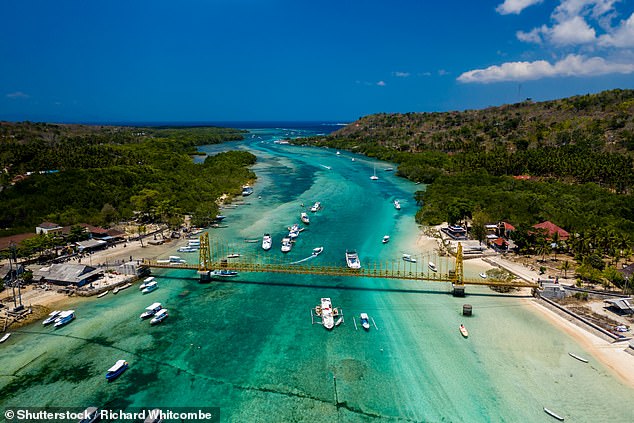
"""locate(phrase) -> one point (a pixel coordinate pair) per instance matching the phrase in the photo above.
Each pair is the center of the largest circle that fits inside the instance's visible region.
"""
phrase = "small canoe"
(573, 355)
(5, 337)
(103, 294)
(553, 414)
(463, 331)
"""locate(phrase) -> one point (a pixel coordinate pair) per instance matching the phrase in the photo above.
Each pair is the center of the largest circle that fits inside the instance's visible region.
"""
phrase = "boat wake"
(304, 259)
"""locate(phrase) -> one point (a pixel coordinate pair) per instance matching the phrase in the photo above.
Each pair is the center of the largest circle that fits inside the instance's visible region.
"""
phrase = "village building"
(550, 229)
(49, 228)
(67, 274)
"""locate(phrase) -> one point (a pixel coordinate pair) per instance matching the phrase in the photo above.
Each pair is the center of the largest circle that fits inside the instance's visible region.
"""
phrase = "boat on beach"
(246, 190)
(553, 414)
(233, 255)
(5, 337)
(573, 355)
(386, 239)
(463, 331)
(103, 294)
(304, 217)
(159, 316)
(115, 371)
(64, 318)
(267, 242)
(409, 258)
(121, 288)
(365, 321)
(352, 259)
(151, 310)
(51, 317)
(432, 267)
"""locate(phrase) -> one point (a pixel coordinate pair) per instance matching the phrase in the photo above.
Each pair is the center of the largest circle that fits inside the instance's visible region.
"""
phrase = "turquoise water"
(247, 345)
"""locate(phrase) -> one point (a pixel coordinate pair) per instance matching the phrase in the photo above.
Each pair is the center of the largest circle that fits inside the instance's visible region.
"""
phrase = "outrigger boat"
(317, 251)
(408, 257)
(64, 318)
(145, 283)
(159, 316)
(267, 242)
(151, 310)
(152, 286)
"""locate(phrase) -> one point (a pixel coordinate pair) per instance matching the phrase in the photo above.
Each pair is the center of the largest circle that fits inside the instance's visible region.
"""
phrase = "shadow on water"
(352, 288)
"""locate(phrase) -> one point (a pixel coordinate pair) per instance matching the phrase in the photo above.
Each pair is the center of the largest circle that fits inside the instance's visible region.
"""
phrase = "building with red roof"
(550, 229)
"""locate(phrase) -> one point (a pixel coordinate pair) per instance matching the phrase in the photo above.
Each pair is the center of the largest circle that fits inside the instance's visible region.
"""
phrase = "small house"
(68, 274)
(48, 228)
(620, 305)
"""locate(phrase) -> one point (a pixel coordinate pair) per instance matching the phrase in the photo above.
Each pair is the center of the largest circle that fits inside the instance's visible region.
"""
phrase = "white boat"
(432, 267)
(159, 316)
(152, 286)
(267, 241)
(5, 337)
(103, 294)
(90, 415)
(315, 207)
(352, 259)
(573, 355)
(176, 259)
(389, 169)
(286, 245)
(154, 416)
(121, 288)
(145, 283)
(224, 273)
(193, 243)
(246, 190)
(408, 257)
(397, 204)
(553, 414)
(463, 331)
(365, 321)
(339, 321)
(51, 317)
(374, 177)
(151, 310)
(327, 319)
(317, 251)
(483, 275)
(115, 371)
(338, 153)
(305, 218)
(187, 250)
(386, 239)
(233, 255)
(64, 318)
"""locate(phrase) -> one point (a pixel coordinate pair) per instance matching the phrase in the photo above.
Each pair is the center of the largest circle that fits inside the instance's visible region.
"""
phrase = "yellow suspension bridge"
(225, 258)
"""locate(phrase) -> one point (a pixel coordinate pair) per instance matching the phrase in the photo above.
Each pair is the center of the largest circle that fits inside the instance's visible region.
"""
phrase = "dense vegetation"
(104, 174)
(574, 155)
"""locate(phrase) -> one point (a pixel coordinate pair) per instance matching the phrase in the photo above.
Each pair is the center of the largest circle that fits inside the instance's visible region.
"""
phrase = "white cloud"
(534, 36)
(572, 32)
(401, 74)
(381, 84)
(622, 36)
(571, 65)
(18, 94)
(515, 6)
(442, 72)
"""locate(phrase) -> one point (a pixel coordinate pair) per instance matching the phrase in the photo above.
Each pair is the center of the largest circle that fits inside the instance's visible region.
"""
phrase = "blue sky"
(237, 60)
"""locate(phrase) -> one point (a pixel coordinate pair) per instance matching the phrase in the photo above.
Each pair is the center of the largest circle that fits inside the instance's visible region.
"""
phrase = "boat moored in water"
(386, 239)
(224, 273)
(267, 242)
(397, 204)
(90, 415)
(151, 310)
(64, 318)
(246, 190)
(317, 251)
(5, 337)
(463, 331)
(159, 316)
(408, 257)
(432, 267)
(51, 317)
(365, 321)
(304, 217)
(286, 245)
(316, 207)
(483, 275)
(187, 250)
(115, 371)
(152, 286)
(352, 259)
(146, 282)
(327, 318)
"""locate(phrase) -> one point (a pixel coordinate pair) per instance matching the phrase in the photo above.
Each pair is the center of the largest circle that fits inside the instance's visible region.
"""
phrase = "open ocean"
(247, 344)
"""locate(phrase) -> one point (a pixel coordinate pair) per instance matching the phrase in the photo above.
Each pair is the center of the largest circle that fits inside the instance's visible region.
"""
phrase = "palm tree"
(565, 266)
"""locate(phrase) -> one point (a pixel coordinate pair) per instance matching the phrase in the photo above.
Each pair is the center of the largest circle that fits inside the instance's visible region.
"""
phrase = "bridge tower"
(204, 256)
(458, 277)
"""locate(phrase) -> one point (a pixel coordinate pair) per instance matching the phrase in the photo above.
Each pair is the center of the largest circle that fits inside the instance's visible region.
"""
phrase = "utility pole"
(15, 278)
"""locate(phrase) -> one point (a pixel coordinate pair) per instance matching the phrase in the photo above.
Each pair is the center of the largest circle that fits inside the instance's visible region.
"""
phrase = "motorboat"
(90, 415)
(463, 331)
(397, 204)
(159, 316)
(305, 218)
(408, 257)
(145, 283)
(286, 245)
(154, 416)
(64, 318)
(176, 259)
(483, 275)
(365, 321)
(152, 286)
(5, 337)
(317, 251)
(116, 370)
(389, 169)
(51, 317)
(432, 267)
(386, 239)
(103, 294)
(267, 241)
(220, 217)
(151, 310)
(224, 273)
(246, 190)
(327, 318)
(374, 177)
(187, 250)
(315, 207)
(352, 259)
(338, 153)
(553, 414)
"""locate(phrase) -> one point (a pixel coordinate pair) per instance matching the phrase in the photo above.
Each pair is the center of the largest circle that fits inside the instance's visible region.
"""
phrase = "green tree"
(478, 225)
(565, 266)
